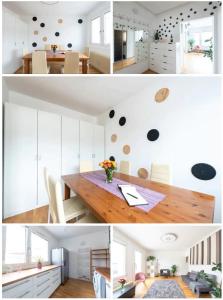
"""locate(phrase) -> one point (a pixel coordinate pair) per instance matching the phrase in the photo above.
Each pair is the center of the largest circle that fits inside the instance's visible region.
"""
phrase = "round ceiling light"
(169, 237)
(49, 2)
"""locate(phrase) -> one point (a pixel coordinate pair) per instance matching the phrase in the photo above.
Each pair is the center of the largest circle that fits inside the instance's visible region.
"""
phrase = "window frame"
(125, 245)
(30, 254)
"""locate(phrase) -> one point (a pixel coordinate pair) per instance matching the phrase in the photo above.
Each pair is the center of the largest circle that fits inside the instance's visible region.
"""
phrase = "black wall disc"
(153, 135)
(122, 121)
(111, 114)
(112, 158)
(34, 19)
(34, 44)
(203, 171)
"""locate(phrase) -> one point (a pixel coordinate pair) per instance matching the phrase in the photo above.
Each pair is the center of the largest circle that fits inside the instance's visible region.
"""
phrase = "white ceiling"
(148, 236)
(159, 7)
(37, 8)
(65, 232)
(89, 95)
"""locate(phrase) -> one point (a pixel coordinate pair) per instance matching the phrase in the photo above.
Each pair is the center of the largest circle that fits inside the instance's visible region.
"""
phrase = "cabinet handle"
(164, 68)
(170, 50)
(24, 294)
(38, 285)
(42, 274)
(43, 290)
(12, 287)
(164, 62)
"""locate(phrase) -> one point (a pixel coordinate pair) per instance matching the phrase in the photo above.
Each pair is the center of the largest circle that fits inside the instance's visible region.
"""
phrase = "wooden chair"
(39, 63)
(125, 167)
(160, 173)
(71, 64)
(86, 166)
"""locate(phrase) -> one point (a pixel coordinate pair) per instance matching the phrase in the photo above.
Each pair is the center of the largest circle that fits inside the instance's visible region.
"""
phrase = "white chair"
(125, 167)
(71, 64)
(39, 63)
(47, 47)
(160, 173)
(87, 51)
(86, 166)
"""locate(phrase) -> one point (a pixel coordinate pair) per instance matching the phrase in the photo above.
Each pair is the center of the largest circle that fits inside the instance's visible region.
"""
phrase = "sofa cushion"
(203, 282)
(193, 276)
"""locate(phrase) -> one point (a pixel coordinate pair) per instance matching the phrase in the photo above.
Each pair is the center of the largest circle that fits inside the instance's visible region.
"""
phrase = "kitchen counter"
(105, 272)
(13, 277)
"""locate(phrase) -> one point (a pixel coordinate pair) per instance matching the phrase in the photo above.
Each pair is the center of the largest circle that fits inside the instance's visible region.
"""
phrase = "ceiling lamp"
(49, 2)
(169, 237)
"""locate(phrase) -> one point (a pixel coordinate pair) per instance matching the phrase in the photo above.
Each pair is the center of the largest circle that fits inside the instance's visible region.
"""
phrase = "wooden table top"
(105, 272)
(179, 206)
(58, 56)
(13, 277)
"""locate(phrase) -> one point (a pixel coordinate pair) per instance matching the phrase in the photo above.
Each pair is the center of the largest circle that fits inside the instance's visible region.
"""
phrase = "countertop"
(105, 272)
(13, 277)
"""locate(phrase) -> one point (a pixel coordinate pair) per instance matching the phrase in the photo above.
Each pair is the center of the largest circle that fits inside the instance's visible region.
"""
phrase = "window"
(39, 248)
(15, 245)
(138, 261)
(95, 31)
(107, 28)
(119, 259)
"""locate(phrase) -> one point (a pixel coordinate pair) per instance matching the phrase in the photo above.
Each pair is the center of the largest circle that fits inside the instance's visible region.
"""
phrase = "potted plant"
(173, 269)
(191, 43)
(122, 281)
(150, 263)
(209, 52)
(109, 167)
(215, 288)
(39, 262)
(150, 258)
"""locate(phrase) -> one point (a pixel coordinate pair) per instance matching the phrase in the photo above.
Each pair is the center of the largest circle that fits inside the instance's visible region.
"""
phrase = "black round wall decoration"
(211, 13)
(34, 19)
(210, 3)
(191, 9)
(42, 24)
(205, 9)
(153, 135)
(69, 45)
(112, 158)
(203, 171)
(34, 44)
(122, 121)
(111, 114)
(80, 21)
(214, 7)
(57, 33)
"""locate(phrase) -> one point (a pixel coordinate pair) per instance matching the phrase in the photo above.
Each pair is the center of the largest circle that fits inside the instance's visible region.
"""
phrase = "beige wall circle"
(162, 94)
(36, 32)
(114, 138)
(60, 21)
(126, 149)
(143, 173)
(44, 38)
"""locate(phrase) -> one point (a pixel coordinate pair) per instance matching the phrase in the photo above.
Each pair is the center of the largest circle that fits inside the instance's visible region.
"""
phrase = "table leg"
(26, 66)
(66, 192)
(84, 66)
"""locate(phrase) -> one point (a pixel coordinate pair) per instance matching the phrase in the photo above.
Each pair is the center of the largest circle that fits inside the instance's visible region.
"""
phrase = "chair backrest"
(71, 65)
(49, 185)
(160, 173)
(87, 51)
(47, 47)
(86, 166)
(39, 63)
(125, 167)
(25, 51)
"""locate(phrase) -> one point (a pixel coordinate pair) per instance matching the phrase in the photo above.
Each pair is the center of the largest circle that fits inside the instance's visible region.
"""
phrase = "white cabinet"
(49, 151)
(20, 289)
(20, 159)
(98, 145)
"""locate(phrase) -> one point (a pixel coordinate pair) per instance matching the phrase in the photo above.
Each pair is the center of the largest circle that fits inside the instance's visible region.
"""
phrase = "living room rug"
(165, 289)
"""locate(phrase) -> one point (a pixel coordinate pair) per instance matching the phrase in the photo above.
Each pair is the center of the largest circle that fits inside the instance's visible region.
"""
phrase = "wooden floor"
(38, 215)
(142, 288)
(75, 288)
(149, 72)
(196, 63)
(121, 64)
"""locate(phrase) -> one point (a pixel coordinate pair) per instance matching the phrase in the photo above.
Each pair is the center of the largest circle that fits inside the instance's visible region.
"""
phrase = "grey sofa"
(196, 284)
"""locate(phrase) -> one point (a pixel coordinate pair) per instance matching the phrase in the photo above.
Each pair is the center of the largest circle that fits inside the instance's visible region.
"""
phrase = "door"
(118, 45)
(20, 159)
(86, 140)
(49, 151)
(70, 146)
(99, 146)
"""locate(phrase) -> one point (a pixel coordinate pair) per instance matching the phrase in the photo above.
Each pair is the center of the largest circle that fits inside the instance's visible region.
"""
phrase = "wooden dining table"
(58, 56)
(179, 205)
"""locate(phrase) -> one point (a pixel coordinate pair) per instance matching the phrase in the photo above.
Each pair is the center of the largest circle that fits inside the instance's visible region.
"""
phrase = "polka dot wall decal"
(181, 14)
(114, 138)
(57, 33)
(214, 7)
(182, 19)
(188, 16)
(191, 9)
(80, 21)
(42, 25)
(162, 95)
(44, 39)
(143, 173)
(126, 149)
(69, 45)
(203, 171)
(211, 13)
(34, 19)
(60, 21)
(112, 158)
(35, 32)
(34, 44)
(153, 135)
(122, 121)
(195, 12)
(205, 9)
(209, 3)
(111, 114)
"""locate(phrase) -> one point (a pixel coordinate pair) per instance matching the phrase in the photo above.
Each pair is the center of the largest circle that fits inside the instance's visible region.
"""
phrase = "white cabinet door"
(99, 145)
(49, 151)
(86, 140)
(20, 159)
(70, 146)
(21, 38)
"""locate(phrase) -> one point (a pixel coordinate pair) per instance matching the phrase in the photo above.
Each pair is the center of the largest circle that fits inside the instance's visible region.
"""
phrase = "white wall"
(168, 258)
(189, 123)
(131, 247)
(96, 240)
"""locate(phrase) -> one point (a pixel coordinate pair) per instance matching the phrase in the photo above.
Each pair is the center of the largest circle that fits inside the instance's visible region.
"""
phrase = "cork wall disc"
(143, 173)
(114, 138)
(161, 95)
(60, 21)
(44, 38)
(126, 149)
(36, 32)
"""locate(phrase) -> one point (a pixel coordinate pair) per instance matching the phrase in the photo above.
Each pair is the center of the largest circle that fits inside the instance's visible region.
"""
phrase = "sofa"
(196, 284)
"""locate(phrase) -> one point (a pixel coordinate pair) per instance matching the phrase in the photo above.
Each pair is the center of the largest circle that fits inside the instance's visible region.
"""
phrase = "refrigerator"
(60, 257)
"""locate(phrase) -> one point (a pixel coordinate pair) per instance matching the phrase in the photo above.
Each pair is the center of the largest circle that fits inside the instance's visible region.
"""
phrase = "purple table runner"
(99, 179)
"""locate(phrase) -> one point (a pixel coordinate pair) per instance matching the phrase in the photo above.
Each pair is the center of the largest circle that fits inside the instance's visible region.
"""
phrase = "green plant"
(209, 52)
(191, 43)
(173, 269)
(215, 289)
(150, 258)
(217, 267)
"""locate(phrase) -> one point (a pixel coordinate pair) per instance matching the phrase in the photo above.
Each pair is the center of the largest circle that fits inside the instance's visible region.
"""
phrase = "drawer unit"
(20, 289)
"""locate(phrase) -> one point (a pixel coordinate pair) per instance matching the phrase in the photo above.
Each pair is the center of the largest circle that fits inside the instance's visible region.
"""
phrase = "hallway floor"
(196, 63)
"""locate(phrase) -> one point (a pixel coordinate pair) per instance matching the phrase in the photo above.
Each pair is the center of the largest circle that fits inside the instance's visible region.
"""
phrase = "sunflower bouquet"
(109, 166)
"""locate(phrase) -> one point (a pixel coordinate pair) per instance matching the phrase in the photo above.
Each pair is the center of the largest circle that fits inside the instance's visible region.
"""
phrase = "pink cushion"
(140, 276)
